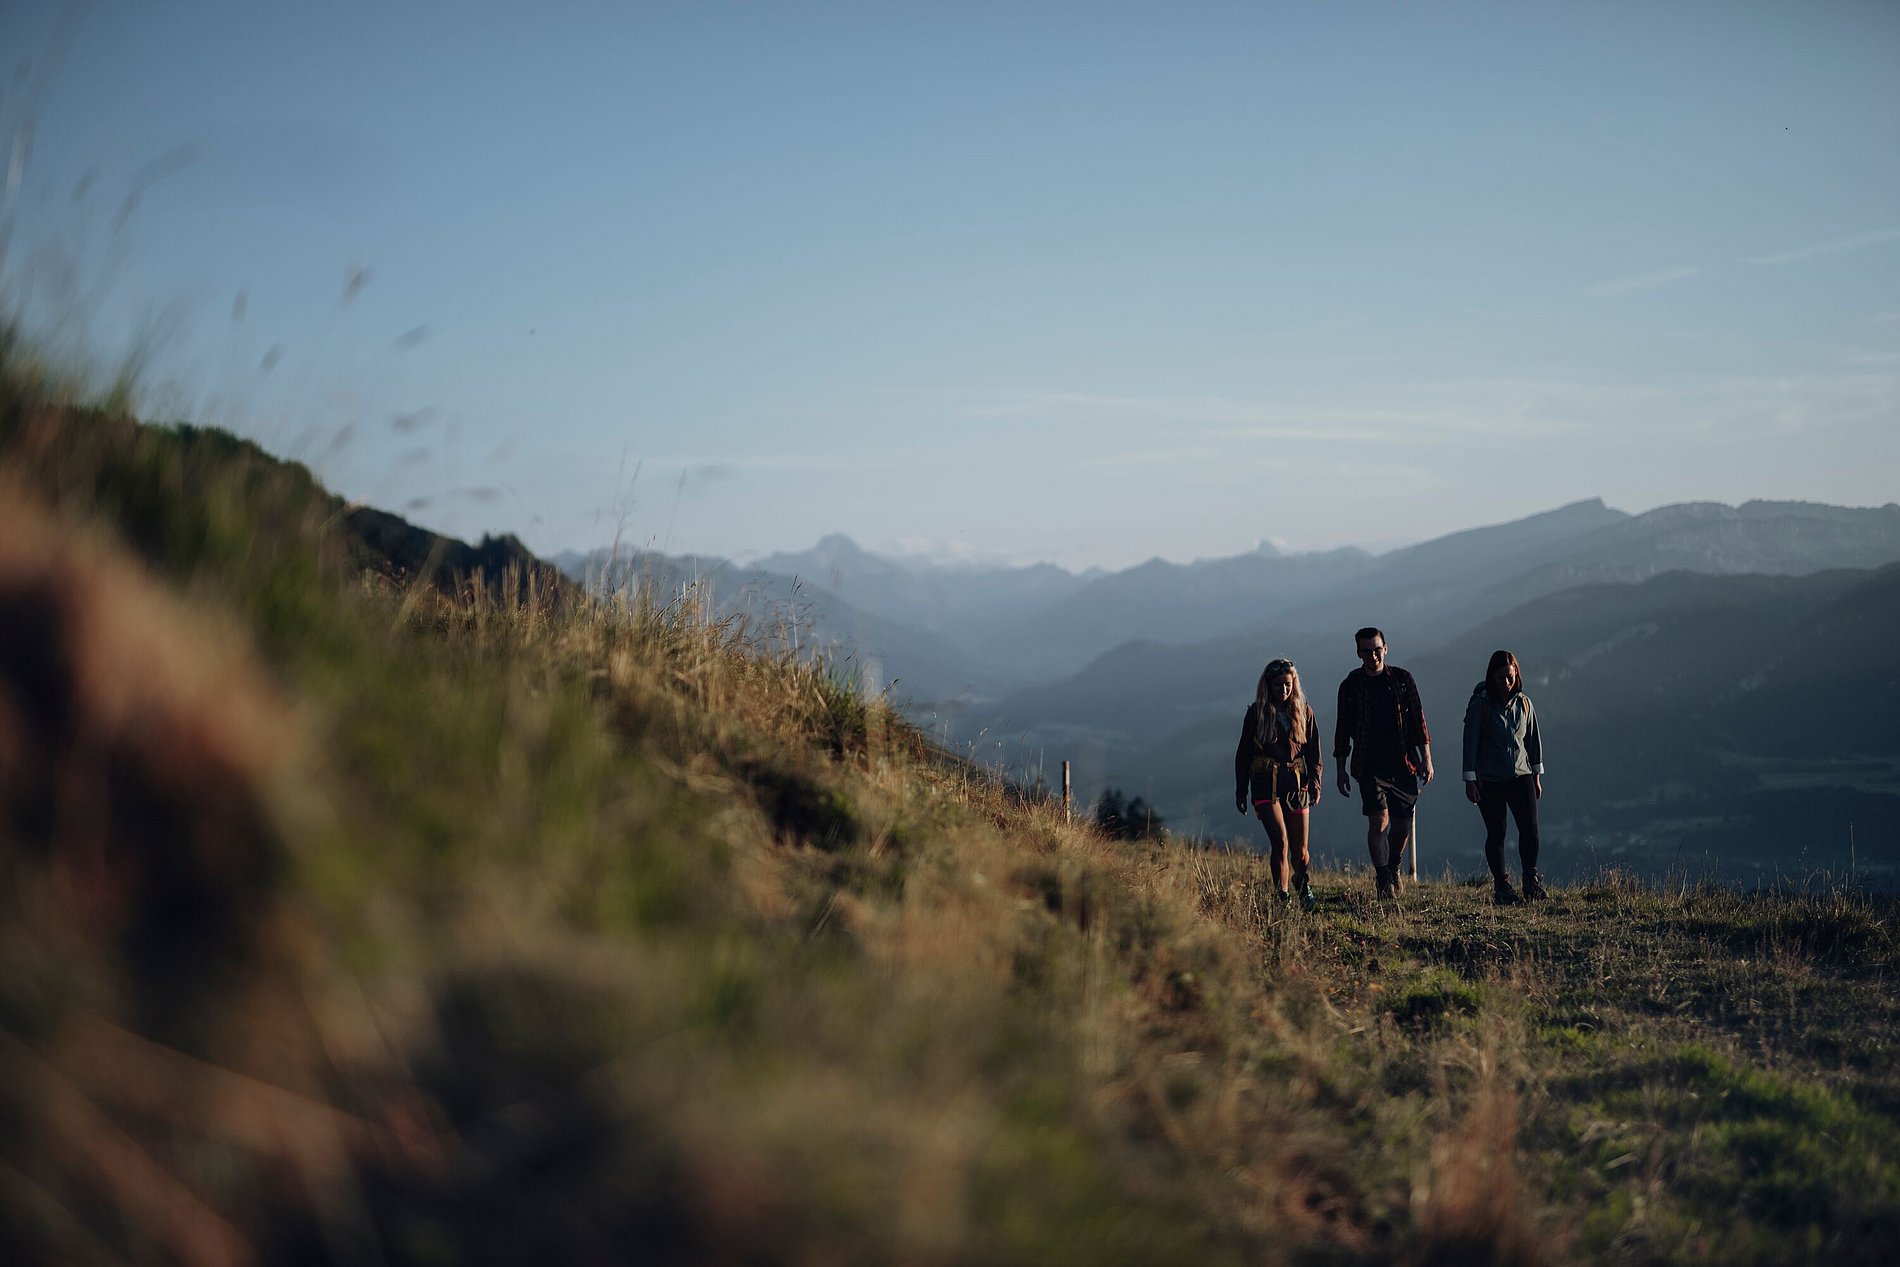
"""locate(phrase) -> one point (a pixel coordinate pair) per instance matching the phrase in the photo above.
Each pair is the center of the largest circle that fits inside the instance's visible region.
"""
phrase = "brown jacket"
(1248, 751)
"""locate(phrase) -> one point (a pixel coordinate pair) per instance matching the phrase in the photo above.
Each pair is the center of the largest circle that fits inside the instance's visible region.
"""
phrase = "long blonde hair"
(1296, 706)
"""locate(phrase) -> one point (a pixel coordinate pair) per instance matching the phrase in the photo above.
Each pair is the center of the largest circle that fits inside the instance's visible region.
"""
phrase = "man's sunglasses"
(1366, 653)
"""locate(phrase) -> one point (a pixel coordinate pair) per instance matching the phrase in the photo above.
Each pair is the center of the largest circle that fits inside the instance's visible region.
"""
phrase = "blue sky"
(1089, 283)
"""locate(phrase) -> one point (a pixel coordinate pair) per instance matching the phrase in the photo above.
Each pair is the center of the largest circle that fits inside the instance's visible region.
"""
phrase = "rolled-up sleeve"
(1533, 739)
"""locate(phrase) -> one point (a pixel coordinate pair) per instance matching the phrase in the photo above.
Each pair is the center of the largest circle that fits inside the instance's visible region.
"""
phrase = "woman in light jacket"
(1278, 758)
(1504, 768)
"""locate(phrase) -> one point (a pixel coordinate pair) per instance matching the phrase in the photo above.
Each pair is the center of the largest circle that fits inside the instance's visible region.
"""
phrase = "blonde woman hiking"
(1278, 759)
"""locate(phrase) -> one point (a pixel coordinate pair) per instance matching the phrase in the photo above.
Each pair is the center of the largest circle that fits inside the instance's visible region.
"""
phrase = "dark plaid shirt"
(1379, 727)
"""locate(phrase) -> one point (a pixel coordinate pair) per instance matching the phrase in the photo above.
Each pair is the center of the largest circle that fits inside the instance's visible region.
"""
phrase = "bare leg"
(1298, 832)
(1375, 838)
(1397, 837)
(1276, 840)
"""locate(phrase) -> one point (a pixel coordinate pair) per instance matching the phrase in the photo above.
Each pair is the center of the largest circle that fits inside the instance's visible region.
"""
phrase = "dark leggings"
(1521, 797)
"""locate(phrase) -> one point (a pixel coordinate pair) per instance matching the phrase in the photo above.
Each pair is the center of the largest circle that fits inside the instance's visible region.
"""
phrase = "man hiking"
(1381, 726)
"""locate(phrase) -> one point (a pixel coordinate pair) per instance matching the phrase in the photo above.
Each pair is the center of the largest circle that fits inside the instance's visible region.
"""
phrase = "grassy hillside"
(364, 911)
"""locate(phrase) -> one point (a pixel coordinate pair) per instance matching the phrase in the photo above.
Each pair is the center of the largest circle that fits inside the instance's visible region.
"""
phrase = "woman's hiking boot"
(1534, 887)
(1504, 895)
(1307, 901)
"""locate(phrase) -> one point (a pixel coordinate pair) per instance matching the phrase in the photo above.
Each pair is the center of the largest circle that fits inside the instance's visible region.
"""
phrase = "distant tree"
(1123, 819)
(1143, 822)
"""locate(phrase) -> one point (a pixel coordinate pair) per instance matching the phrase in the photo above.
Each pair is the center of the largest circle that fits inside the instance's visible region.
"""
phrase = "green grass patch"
(1434, 998)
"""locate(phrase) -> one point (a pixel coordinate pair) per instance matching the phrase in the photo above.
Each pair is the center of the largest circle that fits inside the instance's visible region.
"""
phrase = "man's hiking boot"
(1307, 901)
(1504, 895)
(1388, 883)
(1534, 887)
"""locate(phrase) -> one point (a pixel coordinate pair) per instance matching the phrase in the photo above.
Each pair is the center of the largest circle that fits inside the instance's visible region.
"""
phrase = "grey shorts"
(1396, 794)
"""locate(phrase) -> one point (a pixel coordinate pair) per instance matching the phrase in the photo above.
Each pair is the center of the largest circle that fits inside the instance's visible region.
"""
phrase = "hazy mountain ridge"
(925, 668)
(1428, 590)
(1041, 621)
(967, 603)
(1424, 595)
(1757, 536)
(1159, 601)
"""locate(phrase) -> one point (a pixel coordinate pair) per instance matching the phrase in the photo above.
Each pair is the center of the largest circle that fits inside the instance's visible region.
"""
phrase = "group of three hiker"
(1381, 729)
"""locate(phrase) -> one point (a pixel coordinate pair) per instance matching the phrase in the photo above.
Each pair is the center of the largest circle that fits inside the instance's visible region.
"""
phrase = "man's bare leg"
(1378, 844)
(1398, 836)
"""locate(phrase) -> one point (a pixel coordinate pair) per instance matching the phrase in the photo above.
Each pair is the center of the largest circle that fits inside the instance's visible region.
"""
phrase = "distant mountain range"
(789, 606)
(1673, 652)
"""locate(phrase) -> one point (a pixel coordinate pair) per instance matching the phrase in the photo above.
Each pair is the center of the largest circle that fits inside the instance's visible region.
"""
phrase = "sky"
(1088, 283)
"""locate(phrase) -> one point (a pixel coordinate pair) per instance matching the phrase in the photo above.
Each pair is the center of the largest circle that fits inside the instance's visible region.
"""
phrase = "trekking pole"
(1068, 814)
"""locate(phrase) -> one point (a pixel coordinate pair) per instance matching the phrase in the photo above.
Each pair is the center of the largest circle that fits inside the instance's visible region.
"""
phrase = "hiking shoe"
(1307, 901)
(1534, 888)
(1286, 899)
(1388, 884)
(1504, 894)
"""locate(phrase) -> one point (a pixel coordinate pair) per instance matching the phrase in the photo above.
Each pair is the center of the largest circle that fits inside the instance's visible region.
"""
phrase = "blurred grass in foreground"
(363, 906)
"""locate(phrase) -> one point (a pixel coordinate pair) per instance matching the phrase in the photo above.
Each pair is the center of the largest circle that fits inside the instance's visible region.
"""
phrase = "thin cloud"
(1028, 404)
(1195, 454)
(1643, 281)
(1828, 248)
(1491, 408)
(1213, 415)
(702, 467)
(1219, 466)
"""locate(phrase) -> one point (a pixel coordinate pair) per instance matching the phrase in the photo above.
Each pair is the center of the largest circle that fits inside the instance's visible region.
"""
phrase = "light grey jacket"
(1501, 742)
